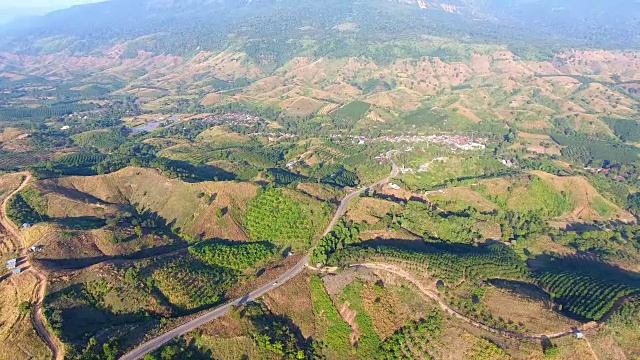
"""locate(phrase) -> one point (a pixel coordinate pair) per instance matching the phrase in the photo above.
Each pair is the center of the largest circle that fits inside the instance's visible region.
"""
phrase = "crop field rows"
(584, 295)
(190, 285)
(415, 341)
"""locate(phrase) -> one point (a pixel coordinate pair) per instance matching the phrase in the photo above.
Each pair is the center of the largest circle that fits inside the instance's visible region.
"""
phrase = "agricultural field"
(537, 143)
(125, 295)
(126, 249)
(524, 304)
(353, 111)
(568, 281)
(288, 221)
(177, 280)
(572, 199)
(450, 171)
(102, 140)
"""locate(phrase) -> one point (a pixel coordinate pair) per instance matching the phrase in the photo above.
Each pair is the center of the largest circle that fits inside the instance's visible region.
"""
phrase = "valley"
(339, 180)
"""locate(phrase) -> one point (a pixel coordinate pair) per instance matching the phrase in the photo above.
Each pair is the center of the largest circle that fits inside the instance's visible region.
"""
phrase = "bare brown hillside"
(491, 84)
(190, 207)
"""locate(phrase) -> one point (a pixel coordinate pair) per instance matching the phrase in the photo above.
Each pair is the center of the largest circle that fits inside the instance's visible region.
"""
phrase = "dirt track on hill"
(41, 287)
(448, 310)
(14, 234)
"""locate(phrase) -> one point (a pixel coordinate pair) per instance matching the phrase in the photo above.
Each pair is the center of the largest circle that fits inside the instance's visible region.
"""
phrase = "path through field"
(447, 309)
(595, 356)
(14, 234)
(41, 287)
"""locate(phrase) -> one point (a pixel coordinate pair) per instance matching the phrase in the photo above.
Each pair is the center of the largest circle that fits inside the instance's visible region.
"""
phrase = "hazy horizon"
(48, 4)
(10, 11)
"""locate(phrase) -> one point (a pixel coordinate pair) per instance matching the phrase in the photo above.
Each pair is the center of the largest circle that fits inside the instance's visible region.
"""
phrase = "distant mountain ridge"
(216, 24)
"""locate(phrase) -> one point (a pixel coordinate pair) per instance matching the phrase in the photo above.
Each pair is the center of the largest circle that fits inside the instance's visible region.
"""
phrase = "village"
(234, 118)
(455, 142)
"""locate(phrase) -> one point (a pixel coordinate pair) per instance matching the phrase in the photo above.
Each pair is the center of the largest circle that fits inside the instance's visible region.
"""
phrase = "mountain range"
(215, 24)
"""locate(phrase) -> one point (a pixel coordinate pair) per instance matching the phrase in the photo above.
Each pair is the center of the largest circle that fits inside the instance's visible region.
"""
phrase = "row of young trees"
(189, 284)
(448, 263)
(583, 295)
(239, 256)
(617, 242)
(274, 216)
(414, 341)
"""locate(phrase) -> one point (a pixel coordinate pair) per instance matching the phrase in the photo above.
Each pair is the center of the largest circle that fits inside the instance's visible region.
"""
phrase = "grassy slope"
(329, 325)
(178, 202)
(574, 197)
(18, 338)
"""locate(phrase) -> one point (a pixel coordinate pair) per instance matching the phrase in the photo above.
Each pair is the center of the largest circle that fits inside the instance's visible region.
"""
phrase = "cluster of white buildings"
(274, 136)
(233, 118)
(461, 142)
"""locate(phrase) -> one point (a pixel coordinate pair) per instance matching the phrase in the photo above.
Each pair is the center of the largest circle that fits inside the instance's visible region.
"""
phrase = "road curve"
(158, 341)
(342, 208)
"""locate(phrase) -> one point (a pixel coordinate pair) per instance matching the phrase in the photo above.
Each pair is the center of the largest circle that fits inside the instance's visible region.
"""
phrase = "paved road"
(342, 208)
(157, 342)
(154, 344)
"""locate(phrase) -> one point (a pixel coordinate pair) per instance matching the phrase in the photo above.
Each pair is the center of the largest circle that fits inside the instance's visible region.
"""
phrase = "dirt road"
(12, 229)
(41, 286)
(434, 296)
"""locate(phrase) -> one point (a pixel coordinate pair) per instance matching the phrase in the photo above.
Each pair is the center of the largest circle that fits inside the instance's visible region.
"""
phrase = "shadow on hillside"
(390, 197)
(80, 222)
(179, 245)
(72, 194)
(81, 313)
(526, 290)
(218, 241)
(586, 264)
(420, 245)
(413, 245)
(598, 225)
(275, 325)
(198, 173)
(60, 265)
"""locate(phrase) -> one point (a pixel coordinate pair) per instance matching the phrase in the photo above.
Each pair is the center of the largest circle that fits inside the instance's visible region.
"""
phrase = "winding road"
(16, 237)
(157, 342)
(37, 314)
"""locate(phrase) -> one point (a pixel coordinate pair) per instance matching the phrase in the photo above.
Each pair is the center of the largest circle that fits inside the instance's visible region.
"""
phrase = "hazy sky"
(42, 3)
(11, 10)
